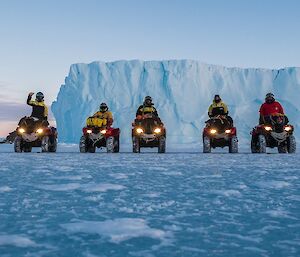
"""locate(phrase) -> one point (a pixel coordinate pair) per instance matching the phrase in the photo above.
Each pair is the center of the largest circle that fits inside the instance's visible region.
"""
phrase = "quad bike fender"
(50, 131)
(258, 130)
(112, 132)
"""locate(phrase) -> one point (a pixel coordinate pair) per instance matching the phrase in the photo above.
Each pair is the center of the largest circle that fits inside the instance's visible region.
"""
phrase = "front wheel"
(291, 144)
(206, 145)
(117, 145)
(53, 145)
(112, 145)
(136, 148)
(162, 145)
(253, 145)
(282, 148)
(261, 144)
(45, 144)
(18, 146)
(83, 145)
(233, 145)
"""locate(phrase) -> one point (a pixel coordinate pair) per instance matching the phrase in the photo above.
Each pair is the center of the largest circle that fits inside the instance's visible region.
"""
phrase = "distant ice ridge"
(181, 90)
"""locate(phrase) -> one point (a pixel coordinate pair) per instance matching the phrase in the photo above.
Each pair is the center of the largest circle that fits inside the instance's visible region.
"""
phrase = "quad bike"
(99, 136)
(32, 132)
(276, 132)
(148, 132)
(219, 132)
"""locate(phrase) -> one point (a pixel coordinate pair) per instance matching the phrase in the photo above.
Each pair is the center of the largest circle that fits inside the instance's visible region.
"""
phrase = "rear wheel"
(27, 148)
(261, 144)
(233, 145)
(206, 145)
(162, 145)
(18, 147)
(91, 149)
(291, 144)
(136, 148)
(45, 144)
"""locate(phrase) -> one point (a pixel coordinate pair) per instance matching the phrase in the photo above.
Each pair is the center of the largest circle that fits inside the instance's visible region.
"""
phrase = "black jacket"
(143, 109)
(39, 109)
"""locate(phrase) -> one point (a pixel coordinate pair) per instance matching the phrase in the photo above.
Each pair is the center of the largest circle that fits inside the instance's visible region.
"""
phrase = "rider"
(270, 108)
(218, 107)
(39, 108)
(104, 113)
(146, 108)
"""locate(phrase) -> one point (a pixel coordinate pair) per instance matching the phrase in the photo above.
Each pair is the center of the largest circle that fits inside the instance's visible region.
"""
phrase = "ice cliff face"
(182, 90)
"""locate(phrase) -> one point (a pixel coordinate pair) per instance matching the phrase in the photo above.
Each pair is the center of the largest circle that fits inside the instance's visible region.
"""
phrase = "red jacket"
(270, 109)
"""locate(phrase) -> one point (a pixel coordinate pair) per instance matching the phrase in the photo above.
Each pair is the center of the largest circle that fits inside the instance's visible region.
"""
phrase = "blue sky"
(40, 39)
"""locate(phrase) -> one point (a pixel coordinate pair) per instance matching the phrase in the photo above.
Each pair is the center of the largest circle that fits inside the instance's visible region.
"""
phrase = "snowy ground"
(174, 204)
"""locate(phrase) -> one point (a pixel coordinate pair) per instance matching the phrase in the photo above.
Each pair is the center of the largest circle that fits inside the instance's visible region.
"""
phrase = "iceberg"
(181, 90)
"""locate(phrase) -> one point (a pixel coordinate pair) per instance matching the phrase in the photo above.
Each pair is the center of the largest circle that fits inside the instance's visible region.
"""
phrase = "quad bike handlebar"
(140, 118)
(221, 118)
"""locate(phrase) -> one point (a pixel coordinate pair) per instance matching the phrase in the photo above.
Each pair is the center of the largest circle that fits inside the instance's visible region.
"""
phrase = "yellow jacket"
(100, 119)
(217, 109)
(104, 115)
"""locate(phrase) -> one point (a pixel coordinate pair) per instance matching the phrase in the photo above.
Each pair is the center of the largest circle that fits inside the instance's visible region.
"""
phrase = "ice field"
(182, 203)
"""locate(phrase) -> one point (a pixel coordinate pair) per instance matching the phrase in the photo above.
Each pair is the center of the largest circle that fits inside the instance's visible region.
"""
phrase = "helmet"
(39, 96)
(270, 98)
(269, 95)
(103, 107)
(148, 100)
(217, 98)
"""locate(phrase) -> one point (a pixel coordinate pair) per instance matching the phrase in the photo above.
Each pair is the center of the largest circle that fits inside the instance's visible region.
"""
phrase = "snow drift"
(181, 90)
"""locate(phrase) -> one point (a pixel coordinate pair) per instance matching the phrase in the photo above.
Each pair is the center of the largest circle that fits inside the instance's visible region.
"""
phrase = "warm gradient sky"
(39, 39)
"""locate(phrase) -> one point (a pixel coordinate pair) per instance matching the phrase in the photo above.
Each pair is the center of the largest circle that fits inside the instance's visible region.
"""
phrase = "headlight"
(21, 130)
(213, 131)
(103, 131)
(157, 130)
(228, 131)
(288, 128)
(139, 130)
(89, 131)
(268, 128)
(39, 131)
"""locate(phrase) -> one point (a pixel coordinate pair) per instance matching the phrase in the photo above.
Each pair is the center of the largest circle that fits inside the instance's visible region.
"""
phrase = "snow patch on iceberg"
(181, 89)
